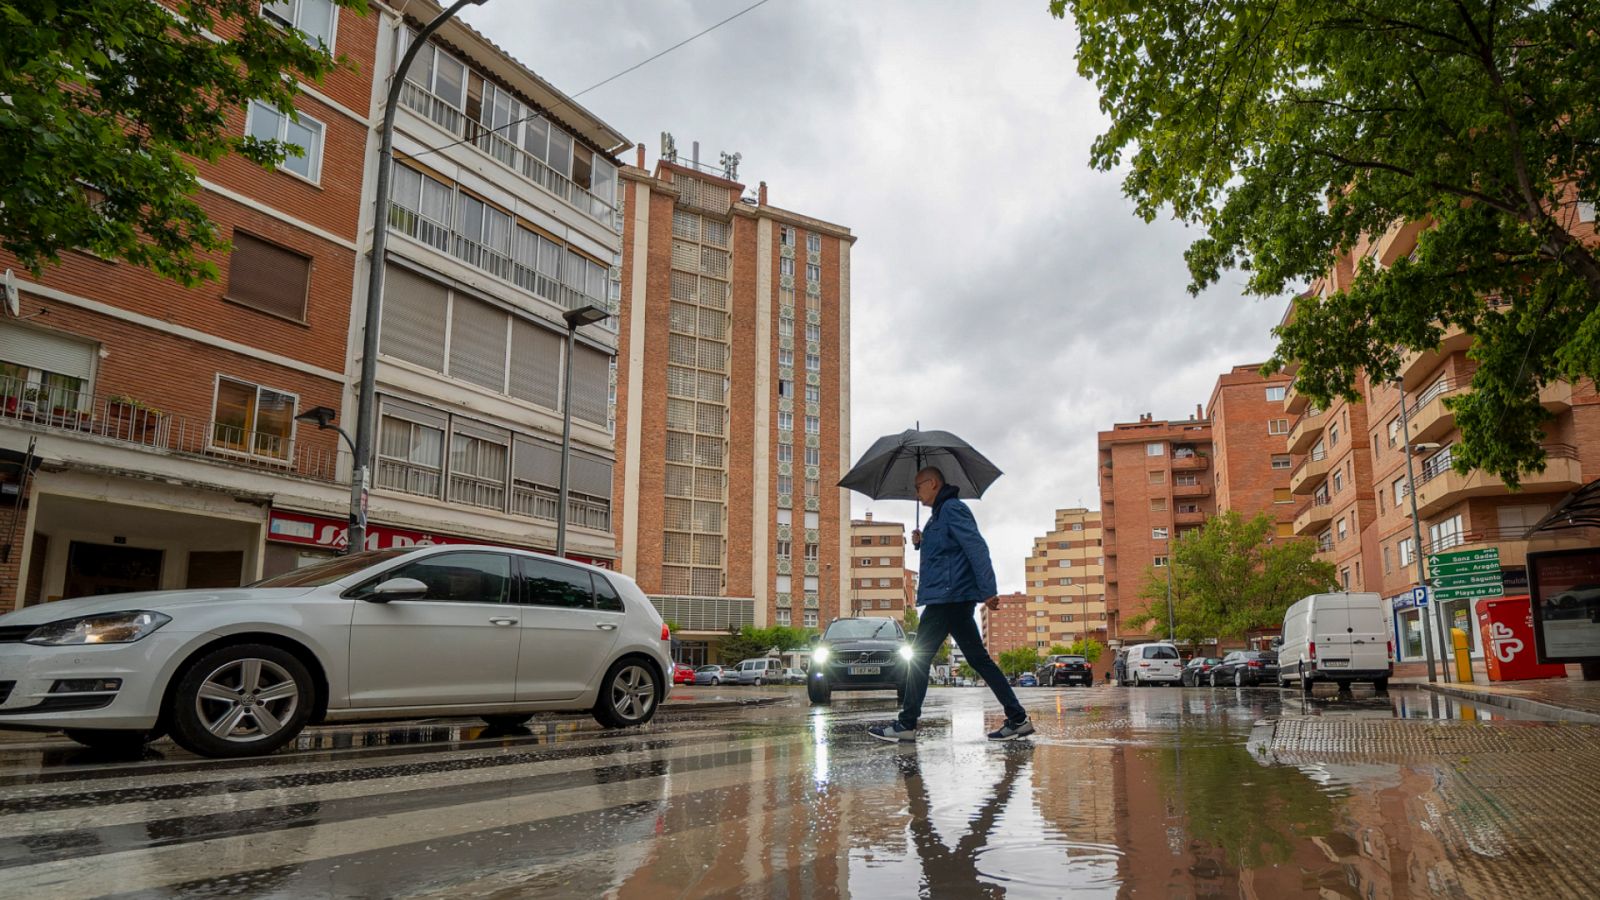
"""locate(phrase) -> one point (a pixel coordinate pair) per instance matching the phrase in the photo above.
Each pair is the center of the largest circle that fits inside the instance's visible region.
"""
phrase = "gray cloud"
(1001, 289)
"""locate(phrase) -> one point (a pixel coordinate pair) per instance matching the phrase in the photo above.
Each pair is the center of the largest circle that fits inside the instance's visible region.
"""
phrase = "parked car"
(762, 670)
(682, 674)
(1065, 669)
(1196, 670)
(1340, 637)
(1027, 679)
(713, 674)
(1244, 668)
(859, 654)
(794, 676)
(1156, 663)
(455, 630)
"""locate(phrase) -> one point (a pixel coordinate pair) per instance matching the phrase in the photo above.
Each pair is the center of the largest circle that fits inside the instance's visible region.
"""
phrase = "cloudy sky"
(1001, 289)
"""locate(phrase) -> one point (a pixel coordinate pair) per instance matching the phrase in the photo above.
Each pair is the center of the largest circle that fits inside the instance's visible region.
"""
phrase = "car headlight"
(819, 655)
(905, 652)
(107, 628)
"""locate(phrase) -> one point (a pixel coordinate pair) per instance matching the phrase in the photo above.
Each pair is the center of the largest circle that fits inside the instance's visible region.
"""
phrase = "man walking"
(1120, 667)
(956, 576)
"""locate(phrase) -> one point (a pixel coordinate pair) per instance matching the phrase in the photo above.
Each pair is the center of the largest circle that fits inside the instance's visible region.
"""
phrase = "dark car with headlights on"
(863, 654)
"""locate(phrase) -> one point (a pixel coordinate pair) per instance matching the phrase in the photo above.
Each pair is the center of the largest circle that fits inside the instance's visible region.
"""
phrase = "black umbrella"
(888, 470)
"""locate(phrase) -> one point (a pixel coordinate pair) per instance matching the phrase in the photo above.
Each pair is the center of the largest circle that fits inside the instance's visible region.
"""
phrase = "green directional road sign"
(1469, 593)
(1445, 563)
(1447, 570)
(1466, 574)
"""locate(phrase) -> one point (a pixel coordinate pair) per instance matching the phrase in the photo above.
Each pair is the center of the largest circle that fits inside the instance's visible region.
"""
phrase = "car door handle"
(606, 626)
(503, 620)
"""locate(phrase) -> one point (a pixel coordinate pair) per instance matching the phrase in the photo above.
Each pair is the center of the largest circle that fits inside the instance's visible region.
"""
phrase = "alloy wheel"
(633, 692)
(246, 700)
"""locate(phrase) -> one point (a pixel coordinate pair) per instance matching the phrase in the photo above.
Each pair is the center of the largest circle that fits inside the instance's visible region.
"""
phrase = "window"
(549, 583)
(1445, 535)
(1399, 491)
(1344, 577)
(813, 393)
(1160, 562)
(785, 357)
(866, 561)
(784, 616)
(785, 327)
(1282, 461)
(810, 620)
(785, 484)
(786, 265)
(410, 457)
(1338, 480)
(1276, 393)
(785, 453)
(1277, 426)
(785, 421)
(1158, 504)
(1404, 549)
(811, 487)
(813, 425)
(786, 235)
(1325, 541)
(1333, 435)
(251, 419)
(814, 458)
(813, 331)
(468, 577)
(1282, 495)
(814, 243)
(1157, 477)
(1158, 534)
(1343, 528)
(1077, 526)
(785, 387)
(1156, 449)
(813, 273)
(313, 18)
(268, 278)
(1394, 432)
(813, 362)
(884, 540)
(265, 123)
(478, 468)
(1063, 563)
(1387, 561)
(784, 549)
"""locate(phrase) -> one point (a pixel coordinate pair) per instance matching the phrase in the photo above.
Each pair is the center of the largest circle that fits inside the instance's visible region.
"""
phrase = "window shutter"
(588, 475)
(268, 277)
(478, 343)
(537, 463)
(43, 350)
(412, 326)
(591, 384)
(535, 363)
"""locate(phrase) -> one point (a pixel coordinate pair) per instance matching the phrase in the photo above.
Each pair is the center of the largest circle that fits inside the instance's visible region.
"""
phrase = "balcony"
(1441, 488)
(1189, 518)
(1313, 517)
(133, 423)
(1198, 489)
(1192, 463)
(1416, 367)
(1427, 418)
(1312, 471)
(1294, 401)
(1556, 396)
(707, 614)
(1306, 429)
(1509, 541)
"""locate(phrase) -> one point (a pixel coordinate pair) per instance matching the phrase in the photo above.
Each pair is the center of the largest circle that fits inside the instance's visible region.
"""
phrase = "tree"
(749, 642)
(966, 671)
(109, 102)
(1230, 577)
(1019, 660)
(942, 655)
(1289, 133)
(1088, 648)
(912, 620)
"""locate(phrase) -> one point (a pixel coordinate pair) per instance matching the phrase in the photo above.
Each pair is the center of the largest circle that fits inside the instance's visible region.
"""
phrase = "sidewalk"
(1569, 699)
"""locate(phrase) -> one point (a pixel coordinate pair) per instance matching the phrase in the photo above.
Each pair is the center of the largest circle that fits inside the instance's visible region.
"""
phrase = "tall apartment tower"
(732, 402)
(1250, 467)
(1066, 581)
(877, 569)
(1148, 469)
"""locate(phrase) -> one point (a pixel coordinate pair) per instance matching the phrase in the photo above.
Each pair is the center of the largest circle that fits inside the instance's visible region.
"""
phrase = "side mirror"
(397, 589)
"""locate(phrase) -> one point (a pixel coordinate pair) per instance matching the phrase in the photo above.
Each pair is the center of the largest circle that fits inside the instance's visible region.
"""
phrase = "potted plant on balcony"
(131, 419)
(30, 401)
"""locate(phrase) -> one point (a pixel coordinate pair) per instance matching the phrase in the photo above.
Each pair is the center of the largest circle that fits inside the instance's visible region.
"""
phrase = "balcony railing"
(1191, 463)
(511, 156)
(1476, 536)
(134, 423)
(1436, 390)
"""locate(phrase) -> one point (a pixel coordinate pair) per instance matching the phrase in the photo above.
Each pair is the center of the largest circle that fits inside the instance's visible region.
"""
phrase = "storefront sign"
(1565, 589)
(333, 534)
(1416, 597)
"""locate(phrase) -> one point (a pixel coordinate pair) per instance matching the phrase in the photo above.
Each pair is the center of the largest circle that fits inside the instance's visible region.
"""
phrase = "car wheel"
(509, 720)
(245, 700)
(628, 694)
(1213, 679)
(818, 692)
(111, 741)
(1380, 685)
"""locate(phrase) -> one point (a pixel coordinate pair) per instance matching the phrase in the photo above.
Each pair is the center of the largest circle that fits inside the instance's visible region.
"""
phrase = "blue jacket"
(955, 560)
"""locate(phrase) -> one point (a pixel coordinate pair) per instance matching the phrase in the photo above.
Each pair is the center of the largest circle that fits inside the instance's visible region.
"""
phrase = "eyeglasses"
(923, 482)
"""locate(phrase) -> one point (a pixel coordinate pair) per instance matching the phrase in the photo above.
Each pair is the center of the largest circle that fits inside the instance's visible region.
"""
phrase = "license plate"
(864, 670)
(1335, 663)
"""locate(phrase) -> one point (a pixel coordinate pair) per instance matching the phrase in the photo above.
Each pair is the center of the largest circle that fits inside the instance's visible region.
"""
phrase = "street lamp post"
(366, 399)
(576, 318)
(1416, 532)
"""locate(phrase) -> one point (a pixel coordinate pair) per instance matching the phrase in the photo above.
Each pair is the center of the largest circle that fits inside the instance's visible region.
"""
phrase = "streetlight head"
(585, 315)
(320, 416)
(1419, 449)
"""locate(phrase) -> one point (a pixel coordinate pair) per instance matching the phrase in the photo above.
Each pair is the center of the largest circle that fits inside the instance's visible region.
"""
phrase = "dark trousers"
(954, 620)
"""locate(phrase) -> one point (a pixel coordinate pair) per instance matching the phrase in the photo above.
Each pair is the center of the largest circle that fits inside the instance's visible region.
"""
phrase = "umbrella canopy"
(888, 470)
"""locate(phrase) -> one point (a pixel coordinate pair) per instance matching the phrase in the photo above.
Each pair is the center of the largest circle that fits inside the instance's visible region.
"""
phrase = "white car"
(1157, 663)
(387, 634)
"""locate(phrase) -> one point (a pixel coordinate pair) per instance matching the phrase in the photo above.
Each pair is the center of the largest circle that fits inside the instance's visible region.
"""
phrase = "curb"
(1519, 704)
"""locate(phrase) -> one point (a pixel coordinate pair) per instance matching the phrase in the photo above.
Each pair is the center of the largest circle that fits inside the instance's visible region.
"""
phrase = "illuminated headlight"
(905, 651)
(108, 628)
(819, 655)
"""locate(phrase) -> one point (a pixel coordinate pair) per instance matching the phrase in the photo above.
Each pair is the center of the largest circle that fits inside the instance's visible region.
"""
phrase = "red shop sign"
(333, 534)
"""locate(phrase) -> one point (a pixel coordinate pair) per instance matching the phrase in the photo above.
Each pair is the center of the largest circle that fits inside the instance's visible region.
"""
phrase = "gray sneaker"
(1010, 732)
(893, 732)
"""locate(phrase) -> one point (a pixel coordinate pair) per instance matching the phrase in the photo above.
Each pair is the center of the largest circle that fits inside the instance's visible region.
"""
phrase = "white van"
(764, 670)
(1341, 637)
(1157, 663)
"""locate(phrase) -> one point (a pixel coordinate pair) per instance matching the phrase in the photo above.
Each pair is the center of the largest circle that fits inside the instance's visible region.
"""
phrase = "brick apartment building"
(1351, 465)
(877, 569)
(1249, 464)
(1008, 626)
(733, 409)
(163, 419)
(1147, 469)
(1066, 581)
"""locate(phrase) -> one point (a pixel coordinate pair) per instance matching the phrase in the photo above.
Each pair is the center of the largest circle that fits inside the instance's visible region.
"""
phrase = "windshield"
(1159, 651)
(1070, 659)
(709, 669)
(329, 571)
(863, 629)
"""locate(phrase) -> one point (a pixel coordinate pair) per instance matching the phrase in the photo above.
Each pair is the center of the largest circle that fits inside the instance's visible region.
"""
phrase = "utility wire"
(639, 65)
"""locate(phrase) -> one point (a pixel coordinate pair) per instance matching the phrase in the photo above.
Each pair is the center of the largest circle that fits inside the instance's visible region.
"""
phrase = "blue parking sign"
(1420, 595)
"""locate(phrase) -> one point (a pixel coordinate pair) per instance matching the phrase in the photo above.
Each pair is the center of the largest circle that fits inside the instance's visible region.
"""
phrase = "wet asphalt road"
(1123, 792)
